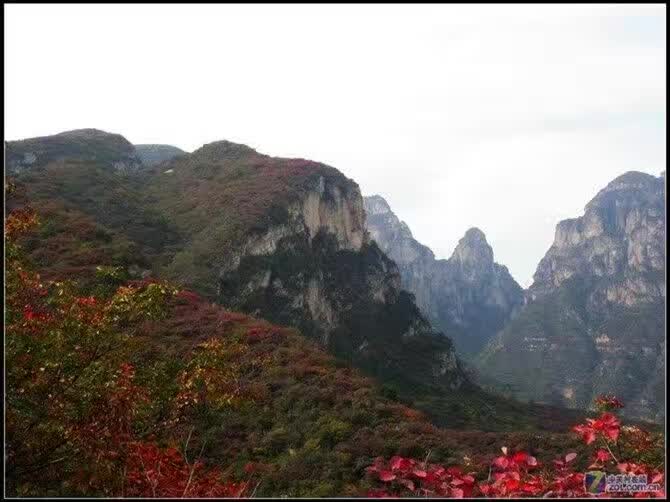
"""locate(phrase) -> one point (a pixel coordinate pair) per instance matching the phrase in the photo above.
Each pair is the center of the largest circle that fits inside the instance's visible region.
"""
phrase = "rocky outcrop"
(286, 239)
(595, 318)
(84, 145)
(150, 155)
(619, 241)
(468, 296)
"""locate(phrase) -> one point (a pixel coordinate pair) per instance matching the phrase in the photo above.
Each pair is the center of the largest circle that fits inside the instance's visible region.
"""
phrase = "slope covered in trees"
(139, 388)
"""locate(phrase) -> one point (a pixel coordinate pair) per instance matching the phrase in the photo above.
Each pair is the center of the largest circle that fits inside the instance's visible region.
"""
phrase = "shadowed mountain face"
(468, 296)
(594, 321)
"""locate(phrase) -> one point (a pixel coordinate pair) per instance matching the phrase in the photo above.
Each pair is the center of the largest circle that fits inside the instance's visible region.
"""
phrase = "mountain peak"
(93, 145)
(473, 249)
(224, 150)
(376, 204)
(475, 235)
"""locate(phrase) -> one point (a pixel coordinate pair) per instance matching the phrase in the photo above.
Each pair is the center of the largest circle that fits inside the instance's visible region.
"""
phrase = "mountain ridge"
(468, 295)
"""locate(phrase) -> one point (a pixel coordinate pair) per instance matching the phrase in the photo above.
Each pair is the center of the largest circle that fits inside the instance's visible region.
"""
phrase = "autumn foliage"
(520, 474)
(74, 410)
(144, 390)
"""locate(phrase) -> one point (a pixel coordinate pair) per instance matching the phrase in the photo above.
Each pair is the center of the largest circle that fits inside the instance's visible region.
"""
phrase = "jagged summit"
(468, 296)
(376, 204)
(473, 249)
(594, 318)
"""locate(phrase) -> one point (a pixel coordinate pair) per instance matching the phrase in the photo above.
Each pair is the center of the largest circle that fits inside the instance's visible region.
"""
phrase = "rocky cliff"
(469, 295)
(286, 239)
(595, 318)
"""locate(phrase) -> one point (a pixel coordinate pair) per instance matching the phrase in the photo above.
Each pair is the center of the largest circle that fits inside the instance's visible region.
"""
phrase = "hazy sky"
(508, 118)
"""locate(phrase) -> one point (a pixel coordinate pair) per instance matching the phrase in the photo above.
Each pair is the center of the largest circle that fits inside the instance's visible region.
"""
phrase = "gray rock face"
(619, 240)
(320, 271)
(151, 155)
(594, 320)
(468, 296)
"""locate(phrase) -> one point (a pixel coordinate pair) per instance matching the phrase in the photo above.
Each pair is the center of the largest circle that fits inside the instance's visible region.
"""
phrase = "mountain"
(151, 155)
(595, 322)
(285, 239)
(282, 239)
(468, 296)
(91, 145)
(88, 186)
(140, 372)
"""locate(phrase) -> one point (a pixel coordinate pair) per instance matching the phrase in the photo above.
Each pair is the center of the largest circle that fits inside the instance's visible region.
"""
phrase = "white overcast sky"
(508, 118)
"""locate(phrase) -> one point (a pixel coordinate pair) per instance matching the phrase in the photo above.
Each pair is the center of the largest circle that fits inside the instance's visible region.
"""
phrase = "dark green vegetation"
(528, 346)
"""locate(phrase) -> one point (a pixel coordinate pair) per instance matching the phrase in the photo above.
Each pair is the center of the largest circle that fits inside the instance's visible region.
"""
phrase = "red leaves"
(29, 314)
(155, 472)
(607, 426)
(89, 300)
(510, 474)
(586, 431)
(386, 476)
(514, 462)
(421, 478)
(19, 221)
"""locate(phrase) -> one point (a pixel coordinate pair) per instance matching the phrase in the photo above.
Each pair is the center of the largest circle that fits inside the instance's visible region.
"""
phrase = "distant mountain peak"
(468, 296)
(473, 249)
(376, 204)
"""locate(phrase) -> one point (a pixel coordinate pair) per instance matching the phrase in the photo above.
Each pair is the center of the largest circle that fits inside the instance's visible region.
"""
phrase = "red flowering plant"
(404, 476)
(164, 472)
(520, 474)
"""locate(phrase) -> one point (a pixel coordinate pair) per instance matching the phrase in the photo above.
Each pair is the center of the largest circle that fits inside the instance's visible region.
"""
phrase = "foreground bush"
(520, 474)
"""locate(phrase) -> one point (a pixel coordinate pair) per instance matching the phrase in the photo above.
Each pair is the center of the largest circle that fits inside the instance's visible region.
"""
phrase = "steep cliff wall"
(595, 318)
(286, 239)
